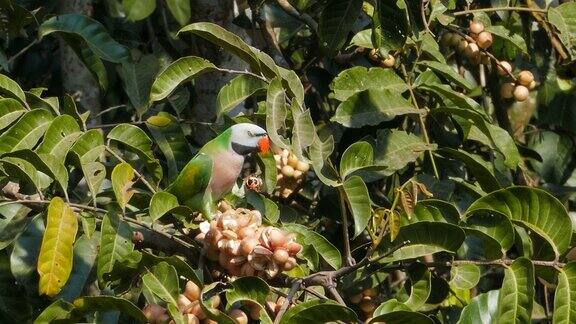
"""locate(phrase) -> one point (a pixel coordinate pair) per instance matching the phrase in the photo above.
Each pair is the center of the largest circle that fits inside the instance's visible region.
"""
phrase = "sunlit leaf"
(122, 177)
(107, 303)
(26, 132)
(162, 280)
(565, 296)
(138, 9)
(176, 73)
(161, 203)
(309, 237)
(180, 9)
(59, 138)
(276, 113)
(10, 111)
(481, 309)
(10, 88)
(236, 91)
(534, 208)
(359, 78)
(358, 199)
(56, 251)
(318, 311)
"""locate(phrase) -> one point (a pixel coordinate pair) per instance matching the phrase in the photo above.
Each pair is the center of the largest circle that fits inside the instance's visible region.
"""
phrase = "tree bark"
(76, 78)
(220, 12)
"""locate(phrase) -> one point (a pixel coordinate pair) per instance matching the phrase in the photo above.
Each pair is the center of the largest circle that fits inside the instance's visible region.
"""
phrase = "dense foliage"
(422, 169)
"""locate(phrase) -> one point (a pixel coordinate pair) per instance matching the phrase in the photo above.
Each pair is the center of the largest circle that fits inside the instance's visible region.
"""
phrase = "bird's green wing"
(191, 185)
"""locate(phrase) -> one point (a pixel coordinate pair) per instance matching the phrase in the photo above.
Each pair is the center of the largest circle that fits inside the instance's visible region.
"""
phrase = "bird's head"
(247, 138)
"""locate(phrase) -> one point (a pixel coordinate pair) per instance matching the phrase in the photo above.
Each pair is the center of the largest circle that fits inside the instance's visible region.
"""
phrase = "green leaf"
(122, 176)
(517, 293)
(89, 146)
(58, 310)
(449, 73)
(481, 170)
(22, 170)
(56, 251)
(500, 139)
(59, 138)
(395, 149)
(534, 208)
(318, 311)
(507, 36)
(276, 113)
(25, 133)
(69, 108)
(303, 130)
(115, 244)
(45, 163)
(355, 157)
(565, 296)
(433, 210)
(267, 164)
(138, 142)
(425, 238)
(10, 88)
(557, 152)
(402, 317)
(429, 82)
(236, 91)
(170, 137)
(494, 225)
(10, 111)
(85, 252)
(12, 225)
(420, 286)
(371, 107)
(293, 85)
(138, 9)
(161, 203)
(24, 256)
(251, 289)
(90, 60)
(359, 202)
(390, 25)
(465, 276)
(265, 206)
(179, 71)
(335, 23)
(388, 306)
(359, 78)
(162, 280)
(225, 39)
(309, 237)
(89, 304)
(320, 152)
(90, 30)
(563, 17)
(137, 78)
(481, 309)
(180, 9)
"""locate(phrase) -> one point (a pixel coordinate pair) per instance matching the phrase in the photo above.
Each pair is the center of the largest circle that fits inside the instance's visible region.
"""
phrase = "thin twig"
(556, 43)
(241, 72)
(423, 5)
(295, 287)
(492, 9)
(138, 174)
(347, 254)
(305, 18)
(109, 109)
(22, 51)
(420, 120)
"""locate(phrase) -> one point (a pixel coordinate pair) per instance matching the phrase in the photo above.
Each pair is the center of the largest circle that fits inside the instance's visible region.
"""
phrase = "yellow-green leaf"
(122, 176)
(55, 259)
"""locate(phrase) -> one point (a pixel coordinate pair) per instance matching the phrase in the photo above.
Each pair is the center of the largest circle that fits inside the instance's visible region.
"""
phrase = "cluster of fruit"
(291, 173)
(471, 46)
(240, 244)
(386, 63)
(521, 89)
(365, 301)
(189, 305)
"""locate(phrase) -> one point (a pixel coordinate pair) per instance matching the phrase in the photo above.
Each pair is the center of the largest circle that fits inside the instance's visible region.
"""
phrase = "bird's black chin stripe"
(243, 149)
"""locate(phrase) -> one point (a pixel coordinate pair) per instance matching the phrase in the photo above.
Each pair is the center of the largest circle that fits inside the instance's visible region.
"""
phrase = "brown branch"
(492, 9)
(545, 25)
(138, 174)
(295, 287)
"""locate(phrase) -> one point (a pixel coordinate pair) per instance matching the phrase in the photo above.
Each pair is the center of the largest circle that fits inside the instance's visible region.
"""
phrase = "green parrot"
(211, 174)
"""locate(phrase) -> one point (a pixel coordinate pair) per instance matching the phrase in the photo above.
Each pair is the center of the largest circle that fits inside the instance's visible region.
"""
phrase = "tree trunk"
(76, 78)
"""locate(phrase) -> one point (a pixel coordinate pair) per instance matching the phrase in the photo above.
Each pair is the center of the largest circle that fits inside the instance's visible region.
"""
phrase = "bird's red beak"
(263, 145)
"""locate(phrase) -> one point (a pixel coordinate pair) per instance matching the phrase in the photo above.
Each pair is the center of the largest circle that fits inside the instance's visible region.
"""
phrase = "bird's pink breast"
(225, 171)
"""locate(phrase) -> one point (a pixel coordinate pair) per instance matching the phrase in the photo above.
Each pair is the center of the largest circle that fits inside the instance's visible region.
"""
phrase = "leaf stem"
(420, 120)
(347, 252)
(241, 72)
(471, 11)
